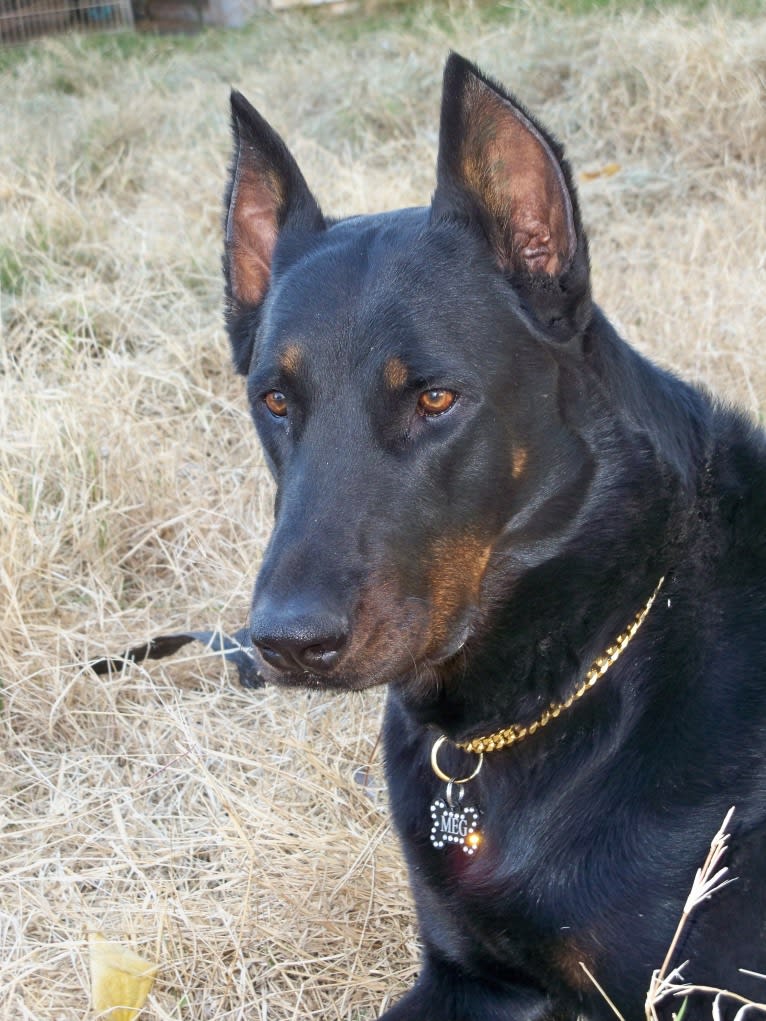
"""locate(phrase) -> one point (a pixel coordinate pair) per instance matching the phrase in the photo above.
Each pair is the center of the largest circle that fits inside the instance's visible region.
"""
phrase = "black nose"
(306, 643)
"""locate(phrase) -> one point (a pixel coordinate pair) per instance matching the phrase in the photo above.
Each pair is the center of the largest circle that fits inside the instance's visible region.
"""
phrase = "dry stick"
(602, 991)
(703, 886)
(684, 990)
(708, 880)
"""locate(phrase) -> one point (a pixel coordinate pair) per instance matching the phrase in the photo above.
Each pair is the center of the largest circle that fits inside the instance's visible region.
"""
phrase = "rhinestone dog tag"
(455, 824)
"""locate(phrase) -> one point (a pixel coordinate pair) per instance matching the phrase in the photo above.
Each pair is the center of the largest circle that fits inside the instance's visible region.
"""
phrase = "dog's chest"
(488, 852)
(495, 856)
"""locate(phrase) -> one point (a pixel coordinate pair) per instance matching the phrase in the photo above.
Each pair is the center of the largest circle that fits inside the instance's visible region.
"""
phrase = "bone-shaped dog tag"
(455, 823)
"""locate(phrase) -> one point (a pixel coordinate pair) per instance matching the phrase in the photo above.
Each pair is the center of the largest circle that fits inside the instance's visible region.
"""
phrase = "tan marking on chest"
(568, 957)
(519, 462)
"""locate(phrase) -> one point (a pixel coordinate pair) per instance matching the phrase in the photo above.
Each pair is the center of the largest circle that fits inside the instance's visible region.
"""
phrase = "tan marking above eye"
(290, 359)
(436, 401)
(276, 402)
(395, 373)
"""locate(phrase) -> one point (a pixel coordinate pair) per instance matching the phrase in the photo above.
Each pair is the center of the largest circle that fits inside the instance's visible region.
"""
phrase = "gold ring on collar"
(440, 772)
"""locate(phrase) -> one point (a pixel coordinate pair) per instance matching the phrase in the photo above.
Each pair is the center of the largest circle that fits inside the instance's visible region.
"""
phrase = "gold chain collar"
(516, 732)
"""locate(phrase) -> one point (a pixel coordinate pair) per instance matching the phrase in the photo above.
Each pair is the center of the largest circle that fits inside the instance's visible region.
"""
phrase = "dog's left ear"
(267, 200)
(500, 169)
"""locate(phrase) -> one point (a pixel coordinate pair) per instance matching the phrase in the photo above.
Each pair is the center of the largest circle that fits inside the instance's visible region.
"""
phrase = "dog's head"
(404, 376)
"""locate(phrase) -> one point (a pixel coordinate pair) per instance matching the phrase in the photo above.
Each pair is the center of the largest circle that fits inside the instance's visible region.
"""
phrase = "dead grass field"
(216, 830)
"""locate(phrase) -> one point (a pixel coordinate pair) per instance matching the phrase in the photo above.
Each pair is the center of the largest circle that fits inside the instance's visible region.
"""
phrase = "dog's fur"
(477, 556)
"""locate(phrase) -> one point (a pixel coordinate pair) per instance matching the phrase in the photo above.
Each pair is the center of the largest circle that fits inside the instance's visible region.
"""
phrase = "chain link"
(516, 732)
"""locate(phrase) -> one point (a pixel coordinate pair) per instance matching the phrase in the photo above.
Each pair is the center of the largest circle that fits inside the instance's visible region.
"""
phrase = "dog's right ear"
(266, 198)
(500, 170)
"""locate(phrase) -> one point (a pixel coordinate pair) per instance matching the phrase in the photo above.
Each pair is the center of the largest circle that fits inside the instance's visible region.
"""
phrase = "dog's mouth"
(373, 663)
(380, 633)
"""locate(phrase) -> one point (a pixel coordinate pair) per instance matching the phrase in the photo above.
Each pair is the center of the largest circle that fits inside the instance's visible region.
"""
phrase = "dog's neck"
(551, 604)
(515, 732)
(533, 652)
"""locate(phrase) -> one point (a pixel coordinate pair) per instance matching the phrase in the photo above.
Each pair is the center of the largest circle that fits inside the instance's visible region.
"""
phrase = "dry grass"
(217, 830)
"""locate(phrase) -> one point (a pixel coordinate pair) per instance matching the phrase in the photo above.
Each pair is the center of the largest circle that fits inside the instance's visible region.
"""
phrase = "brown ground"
(216, 830)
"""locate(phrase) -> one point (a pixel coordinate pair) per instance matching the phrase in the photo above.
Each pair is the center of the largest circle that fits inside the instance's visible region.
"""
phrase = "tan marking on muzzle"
(459, 563)
(388, 633)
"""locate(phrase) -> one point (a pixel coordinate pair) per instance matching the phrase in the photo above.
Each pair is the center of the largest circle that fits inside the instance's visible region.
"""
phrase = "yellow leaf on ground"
(120, 980)
(606, 171)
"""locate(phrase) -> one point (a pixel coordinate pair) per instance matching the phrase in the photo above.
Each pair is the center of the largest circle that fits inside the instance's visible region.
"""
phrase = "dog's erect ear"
(267, 195)
(497, 167)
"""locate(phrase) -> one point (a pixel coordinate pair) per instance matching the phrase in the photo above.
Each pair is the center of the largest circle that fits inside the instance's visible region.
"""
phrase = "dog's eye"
(436, 402)
(276, 402)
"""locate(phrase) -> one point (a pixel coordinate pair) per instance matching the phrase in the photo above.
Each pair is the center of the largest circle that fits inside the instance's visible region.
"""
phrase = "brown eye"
(436, 402)
(276, 402)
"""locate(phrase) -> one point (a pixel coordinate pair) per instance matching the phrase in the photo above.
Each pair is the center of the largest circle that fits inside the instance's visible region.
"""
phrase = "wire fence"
(26, 19)
(21, 20)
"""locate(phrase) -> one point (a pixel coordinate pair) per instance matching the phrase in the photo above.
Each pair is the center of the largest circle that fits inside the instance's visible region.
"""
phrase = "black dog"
(553, 552)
